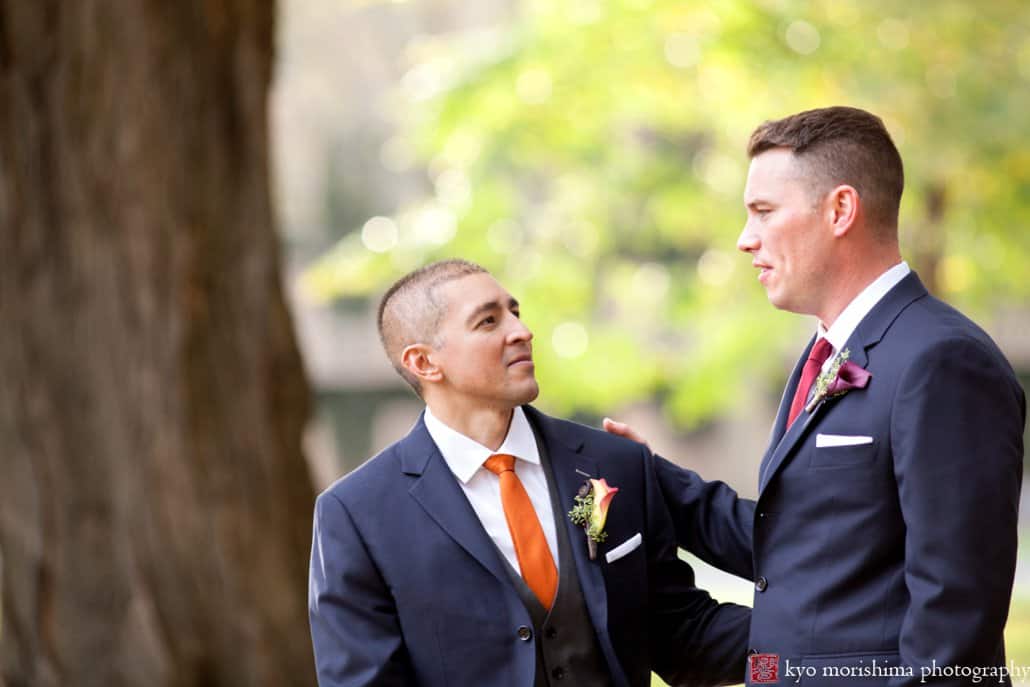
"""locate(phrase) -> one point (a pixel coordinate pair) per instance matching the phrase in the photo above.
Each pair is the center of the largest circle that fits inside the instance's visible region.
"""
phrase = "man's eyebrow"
(489, 306)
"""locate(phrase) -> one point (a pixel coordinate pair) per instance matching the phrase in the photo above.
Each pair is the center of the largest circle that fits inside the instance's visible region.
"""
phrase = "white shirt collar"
(464, 455)
(846, 323)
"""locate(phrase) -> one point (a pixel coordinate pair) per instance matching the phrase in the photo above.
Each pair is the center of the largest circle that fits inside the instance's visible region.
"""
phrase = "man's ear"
(843, 206)
(417, 359)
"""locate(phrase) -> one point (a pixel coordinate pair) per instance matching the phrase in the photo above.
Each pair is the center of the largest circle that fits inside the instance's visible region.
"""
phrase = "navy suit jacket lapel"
(779, 426)
(867, 334)
(783, 448)
(874, 326)
(436, 489)
(570, 470)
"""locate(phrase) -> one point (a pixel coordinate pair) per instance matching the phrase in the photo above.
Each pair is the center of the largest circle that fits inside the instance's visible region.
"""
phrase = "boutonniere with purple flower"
(841, 377)
(591, 511)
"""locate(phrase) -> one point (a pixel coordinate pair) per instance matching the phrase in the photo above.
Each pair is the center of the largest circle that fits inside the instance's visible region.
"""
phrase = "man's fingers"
(623, 430)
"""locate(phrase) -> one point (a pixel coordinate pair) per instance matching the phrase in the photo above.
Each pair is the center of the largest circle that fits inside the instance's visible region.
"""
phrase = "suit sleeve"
(694, 639)
(354, 624)
(957, 440)
(711, 520)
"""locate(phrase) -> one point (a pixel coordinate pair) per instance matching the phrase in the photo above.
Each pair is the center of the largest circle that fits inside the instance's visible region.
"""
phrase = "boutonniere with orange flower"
(591, 511)
(842, 376)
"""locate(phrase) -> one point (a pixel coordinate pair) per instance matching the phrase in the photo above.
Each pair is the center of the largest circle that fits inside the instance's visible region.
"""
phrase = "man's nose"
(519, 331)
(748, 240)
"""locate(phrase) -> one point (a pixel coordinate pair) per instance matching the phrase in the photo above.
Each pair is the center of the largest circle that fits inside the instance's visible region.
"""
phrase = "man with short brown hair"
(885, 527)
(841, 145)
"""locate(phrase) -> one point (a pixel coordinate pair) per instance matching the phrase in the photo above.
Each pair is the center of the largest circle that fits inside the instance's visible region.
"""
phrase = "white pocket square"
(829, 440)
(624, 548)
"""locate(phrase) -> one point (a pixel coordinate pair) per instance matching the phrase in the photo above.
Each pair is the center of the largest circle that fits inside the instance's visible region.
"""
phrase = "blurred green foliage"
(591, 154)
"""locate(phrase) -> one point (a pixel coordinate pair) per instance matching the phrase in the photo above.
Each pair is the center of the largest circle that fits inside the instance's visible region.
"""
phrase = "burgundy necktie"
(817, 356)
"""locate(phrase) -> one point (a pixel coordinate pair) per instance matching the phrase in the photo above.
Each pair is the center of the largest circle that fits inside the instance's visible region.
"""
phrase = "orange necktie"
(531, 548)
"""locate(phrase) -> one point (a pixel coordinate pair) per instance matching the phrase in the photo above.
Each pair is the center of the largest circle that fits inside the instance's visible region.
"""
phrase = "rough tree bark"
(154, 502)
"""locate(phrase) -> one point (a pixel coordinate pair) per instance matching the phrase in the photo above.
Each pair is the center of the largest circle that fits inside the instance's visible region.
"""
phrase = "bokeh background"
(204, 203)
(591, 154)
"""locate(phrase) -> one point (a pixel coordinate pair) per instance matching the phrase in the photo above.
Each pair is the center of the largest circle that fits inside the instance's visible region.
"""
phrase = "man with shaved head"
(411, 311)
(497, 546)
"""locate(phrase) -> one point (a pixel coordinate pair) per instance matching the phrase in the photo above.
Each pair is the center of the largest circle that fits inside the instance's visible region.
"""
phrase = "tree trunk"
(155, 506)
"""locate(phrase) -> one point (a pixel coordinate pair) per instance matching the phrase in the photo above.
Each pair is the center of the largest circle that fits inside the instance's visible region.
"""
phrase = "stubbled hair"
(842, 145)
(410, 311)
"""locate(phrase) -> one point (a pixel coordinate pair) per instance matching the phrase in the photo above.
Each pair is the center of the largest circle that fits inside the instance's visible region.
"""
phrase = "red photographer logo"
(764, 668)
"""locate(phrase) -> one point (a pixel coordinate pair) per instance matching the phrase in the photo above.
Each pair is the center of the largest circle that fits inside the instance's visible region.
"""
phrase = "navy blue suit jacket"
(901, 550)
(406, 587)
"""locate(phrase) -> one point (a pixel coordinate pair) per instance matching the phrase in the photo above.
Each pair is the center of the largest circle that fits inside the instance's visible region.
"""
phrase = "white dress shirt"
(846, 323)
(465, 458)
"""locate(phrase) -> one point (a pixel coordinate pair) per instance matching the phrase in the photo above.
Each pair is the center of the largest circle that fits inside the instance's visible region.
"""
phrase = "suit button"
(524, 633)
(761, 584)
(558, 673)
(550, 633)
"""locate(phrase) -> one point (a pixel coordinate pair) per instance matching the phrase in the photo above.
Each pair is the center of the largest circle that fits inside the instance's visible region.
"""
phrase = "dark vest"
(567, 652)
